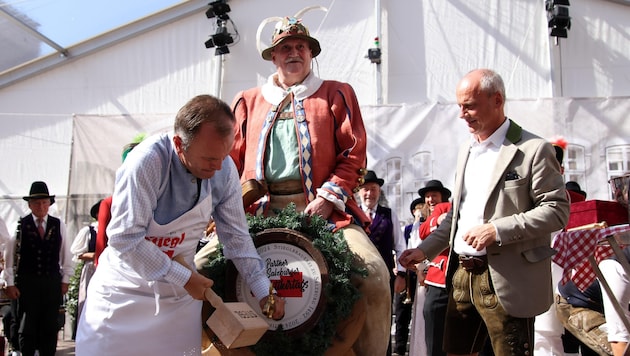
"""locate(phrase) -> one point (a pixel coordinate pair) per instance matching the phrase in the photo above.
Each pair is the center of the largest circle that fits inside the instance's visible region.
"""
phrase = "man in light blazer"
(509, 196)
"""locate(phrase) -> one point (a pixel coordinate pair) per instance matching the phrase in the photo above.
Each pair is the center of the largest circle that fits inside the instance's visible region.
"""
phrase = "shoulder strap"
(92, 241)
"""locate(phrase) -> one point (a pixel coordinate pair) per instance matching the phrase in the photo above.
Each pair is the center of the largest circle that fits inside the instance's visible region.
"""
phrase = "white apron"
(126, 315)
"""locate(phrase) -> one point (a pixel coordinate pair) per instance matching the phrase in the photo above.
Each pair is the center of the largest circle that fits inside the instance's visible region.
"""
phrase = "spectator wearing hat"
(433, 193)
(431, 313)
(576, 194)
(385, 234)
(82, 249)
(550, 336)
(38, 269)
(403, 302)
(305, 138)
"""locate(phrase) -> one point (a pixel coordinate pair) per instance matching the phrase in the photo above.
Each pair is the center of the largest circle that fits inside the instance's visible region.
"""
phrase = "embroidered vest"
(39, 256)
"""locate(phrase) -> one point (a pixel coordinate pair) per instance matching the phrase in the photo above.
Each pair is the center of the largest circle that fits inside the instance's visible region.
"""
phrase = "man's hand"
(12, 292)
(64, 288)
(197, 285)
(278, 306)
(321, 207)
(87, 256)
(409, 258)
(481, 236)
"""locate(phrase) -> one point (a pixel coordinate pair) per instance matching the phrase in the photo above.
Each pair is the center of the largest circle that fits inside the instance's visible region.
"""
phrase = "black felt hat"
(94, 209)
(414, 203)
(370, 177)
(39, 190)
(434, 185)
(575, 186)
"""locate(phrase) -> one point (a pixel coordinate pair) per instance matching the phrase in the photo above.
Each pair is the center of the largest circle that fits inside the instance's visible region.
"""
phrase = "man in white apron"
(139, 301)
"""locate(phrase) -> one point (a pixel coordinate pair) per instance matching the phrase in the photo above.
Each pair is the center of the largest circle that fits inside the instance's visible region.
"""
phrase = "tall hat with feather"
(287, 27)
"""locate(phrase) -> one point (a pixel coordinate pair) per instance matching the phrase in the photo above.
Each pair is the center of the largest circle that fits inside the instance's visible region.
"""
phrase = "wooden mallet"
(236, 324)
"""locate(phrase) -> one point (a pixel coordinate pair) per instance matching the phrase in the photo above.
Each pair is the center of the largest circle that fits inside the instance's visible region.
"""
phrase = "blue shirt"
(153, 184)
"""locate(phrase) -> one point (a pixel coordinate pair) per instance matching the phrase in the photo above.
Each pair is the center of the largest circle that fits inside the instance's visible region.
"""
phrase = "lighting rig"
(222, 37)
(558, 17)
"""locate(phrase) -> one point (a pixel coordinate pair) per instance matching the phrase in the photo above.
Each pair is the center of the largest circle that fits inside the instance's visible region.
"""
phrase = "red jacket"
(436, 275)
(337, 144)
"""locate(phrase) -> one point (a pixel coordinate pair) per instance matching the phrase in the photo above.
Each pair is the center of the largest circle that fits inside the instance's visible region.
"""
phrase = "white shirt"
(414, 235)
(477, 180)
(81, 242)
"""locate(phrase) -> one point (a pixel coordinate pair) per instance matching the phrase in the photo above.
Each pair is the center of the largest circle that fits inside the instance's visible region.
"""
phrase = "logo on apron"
(167, 243)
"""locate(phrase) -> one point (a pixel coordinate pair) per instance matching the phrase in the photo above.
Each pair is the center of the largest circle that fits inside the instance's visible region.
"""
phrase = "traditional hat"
(370, 177)
(39, 190)
(559, 145)
(130, 146)
(575, 187)
(94, 210)
(434, 185)
(291, 27)
(415, 202)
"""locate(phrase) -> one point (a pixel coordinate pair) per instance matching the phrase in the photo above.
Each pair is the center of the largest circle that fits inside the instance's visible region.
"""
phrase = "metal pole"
(218, 75)
(378, 76)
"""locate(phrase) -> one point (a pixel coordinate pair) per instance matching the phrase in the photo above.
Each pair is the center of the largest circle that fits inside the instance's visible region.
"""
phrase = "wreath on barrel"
(339, 293)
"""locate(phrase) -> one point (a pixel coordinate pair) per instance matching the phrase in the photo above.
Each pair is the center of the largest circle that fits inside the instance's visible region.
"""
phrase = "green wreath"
(340, 293)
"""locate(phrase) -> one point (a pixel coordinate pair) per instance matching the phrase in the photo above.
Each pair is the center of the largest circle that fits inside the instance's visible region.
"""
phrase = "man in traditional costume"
(304, 137)
(38, 267)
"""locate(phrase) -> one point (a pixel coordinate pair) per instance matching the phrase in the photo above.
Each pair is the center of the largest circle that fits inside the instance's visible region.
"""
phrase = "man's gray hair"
(491, 82)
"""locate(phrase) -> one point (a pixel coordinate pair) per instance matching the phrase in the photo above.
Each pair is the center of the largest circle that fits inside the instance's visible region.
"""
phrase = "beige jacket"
(525, 211)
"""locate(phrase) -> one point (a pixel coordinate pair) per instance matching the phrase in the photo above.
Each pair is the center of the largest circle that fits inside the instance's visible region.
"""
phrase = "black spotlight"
(558, 17)
(220, 40)
(222, 37)
(219, 9)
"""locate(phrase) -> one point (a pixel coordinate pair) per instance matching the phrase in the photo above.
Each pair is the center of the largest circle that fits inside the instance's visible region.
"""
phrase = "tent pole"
(379, 75)
(66, 214)
(218, 75)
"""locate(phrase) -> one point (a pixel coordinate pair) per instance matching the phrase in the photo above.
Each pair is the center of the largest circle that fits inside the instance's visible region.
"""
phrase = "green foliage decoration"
(72, 297)
(340, 294)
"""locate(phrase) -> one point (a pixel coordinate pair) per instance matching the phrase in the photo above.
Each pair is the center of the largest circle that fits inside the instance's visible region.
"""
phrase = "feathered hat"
(288, 27)
(560, 145)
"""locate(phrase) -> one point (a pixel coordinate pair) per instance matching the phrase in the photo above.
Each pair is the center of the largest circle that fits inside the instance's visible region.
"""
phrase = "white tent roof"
(43, 33)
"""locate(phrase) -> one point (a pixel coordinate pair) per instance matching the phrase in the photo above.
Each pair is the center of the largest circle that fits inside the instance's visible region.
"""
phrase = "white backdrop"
(396, 134)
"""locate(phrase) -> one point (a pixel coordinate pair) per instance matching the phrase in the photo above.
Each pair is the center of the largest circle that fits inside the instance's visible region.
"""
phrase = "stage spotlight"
(558, 17)
(221, 39)
(219, 9)
(222, 36)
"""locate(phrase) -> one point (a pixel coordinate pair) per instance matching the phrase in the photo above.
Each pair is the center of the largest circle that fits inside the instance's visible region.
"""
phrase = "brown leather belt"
(471, 263)
(286, 187)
